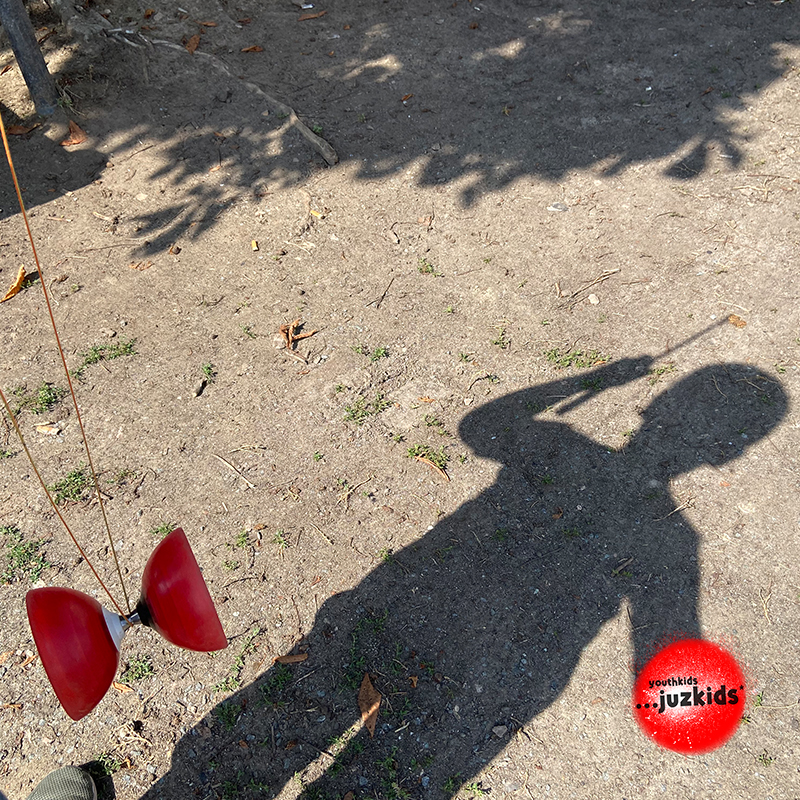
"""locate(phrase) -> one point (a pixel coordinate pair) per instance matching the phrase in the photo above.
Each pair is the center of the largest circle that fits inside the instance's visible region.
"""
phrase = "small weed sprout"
(209, 372)
(580, 359)
(74, 487)
(385, 555)
(361, 410)
(104, 352)
(502, 341)
(280, 539)
(438, 457)
(105, 765)
(228, 714)
(230, 565)
(39, 402)
(318, 456)
(656, 373)
(452, 784)
(162, 530)
(425, 267)
(6, 454)
(139, 668)
(249, 332)
(21, 557)
(234, 679)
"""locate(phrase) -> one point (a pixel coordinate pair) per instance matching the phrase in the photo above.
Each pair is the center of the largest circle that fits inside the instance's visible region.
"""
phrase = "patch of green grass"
(104, 352)
(571, 533)
(279, 679)
(376, 355)
(547, 480)
(242, 540)
(21, 557)
(437, 457)
(398, 437)
(656, 373)
(105, 765)
(340, 387)
(317, 129)
(164, 529)
(500, 535)
(39, 402)
(6, 454)
(227, 714)
(249, 332)
(385, 555)
(209, 372)
(230, 565)
(476, 789)
(234, 679)
(318, 456)
(452, 784)
(580, 359)
(450, 310)
(139, 668)
(425, 267)
(465, 357)
(360, 411)
(594, 385)
(74, 487)
(432, 421)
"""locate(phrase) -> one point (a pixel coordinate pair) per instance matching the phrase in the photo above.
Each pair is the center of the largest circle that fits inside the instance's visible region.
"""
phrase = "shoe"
(67, 783)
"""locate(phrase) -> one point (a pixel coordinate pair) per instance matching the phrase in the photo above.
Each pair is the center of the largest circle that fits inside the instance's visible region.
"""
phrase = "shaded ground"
(613, 179)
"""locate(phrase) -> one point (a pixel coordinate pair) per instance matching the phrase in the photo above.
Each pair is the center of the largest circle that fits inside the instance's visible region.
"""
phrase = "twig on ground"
(233, 469)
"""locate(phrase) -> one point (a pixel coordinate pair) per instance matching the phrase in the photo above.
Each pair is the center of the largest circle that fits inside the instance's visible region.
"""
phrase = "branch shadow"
(474, 96)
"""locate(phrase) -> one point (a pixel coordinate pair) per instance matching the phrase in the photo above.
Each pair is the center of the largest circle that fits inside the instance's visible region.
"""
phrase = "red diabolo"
(78, 640)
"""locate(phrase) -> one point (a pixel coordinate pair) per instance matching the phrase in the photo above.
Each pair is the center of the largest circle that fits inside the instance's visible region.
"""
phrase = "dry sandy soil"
(553, 246)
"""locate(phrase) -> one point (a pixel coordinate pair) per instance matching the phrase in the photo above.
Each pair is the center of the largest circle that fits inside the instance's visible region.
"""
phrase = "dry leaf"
(121, 687)
(149, 13)
(348, 796)
(141, 265)
(215, 168)
(208, 24)
(192, 44)
(312, 16)
(76, 135)
(20, 130)
(291, 745)
(174, 250)
(369, 701)
(724, 483)
(243, 744)
(254, 246)
(473, 26)
(427, 399)
(48, 429)
(6, 68)
(16, 286)
(291, 659)
(558, 513)
(254, 48)
(412, 679)
(346, 28)
(4, 656)
(737, 321)
(245, 21)
(407, 97)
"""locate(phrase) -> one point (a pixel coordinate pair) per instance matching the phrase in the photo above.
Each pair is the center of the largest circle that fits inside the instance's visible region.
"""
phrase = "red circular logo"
(690, 696)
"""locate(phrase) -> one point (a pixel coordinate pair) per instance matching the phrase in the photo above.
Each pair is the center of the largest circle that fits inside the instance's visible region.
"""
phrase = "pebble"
(500, 731)
(199, 387)
(593, 299)
(558, 207)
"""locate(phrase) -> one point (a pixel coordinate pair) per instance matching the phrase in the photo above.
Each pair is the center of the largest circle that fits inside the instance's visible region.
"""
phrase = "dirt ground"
(550, 247)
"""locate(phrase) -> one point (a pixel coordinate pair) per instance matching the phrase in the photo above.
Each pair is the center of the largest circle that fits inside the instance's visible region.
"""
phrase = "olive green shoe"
(67, 783)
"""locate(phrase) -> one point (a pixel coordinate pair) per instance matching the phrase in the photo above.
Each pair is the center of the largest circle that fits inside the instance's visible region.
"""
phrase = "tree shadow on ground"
(478, 626)
(474, 94)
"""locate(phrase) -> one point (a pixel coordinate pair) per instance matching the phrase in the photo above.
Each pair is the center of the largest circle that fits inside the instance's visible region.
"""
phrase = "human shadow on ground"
(478, 94)
(478, 626)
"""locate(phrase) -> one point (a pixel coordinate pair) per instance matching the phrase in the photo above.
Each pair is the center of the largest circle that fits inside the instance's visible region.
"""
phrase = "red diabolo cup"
(77, 650)
(175, 599)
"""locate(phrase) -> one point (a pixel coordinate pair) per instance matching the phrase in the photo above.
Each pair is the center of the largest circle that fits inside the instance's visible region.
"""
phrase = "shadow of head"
(710, 416)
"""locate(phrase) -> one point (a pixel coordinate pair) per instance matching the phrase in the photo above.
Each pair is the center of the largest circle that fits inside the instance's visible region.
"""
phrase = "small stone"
(558, 207)
(500, 731)
(362, 781)
(593, 299)
(199, 387)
